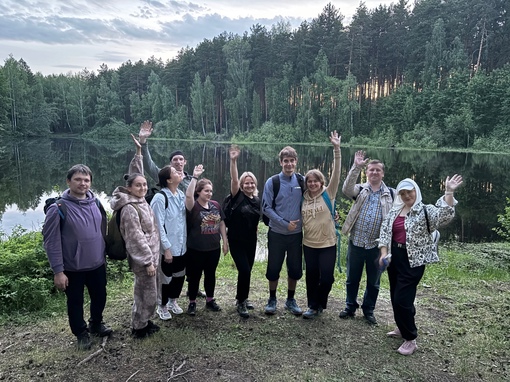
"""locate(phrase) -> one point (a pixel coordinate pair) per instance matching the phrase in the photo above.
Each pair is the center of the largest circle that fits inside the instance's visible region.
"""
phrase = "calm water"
(31, 170)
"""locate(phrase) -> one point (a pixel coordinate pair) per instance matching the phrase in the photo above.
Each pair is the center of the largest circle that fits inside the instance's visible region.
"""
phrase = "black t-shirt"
(245, 218)
(204, 226)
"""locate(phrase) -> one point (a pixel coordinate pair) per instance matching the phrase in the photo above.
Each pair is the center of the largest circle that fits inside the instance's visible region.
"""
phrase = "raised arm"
(332, 188)
(137, 145)
(350, 188)
(190, 191)
(150, 167)
(234, 174)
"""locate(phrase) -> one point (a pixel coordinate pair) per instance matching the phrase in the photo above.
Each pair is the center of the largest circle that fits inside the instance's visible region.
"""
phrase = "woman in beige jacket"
(140, 233)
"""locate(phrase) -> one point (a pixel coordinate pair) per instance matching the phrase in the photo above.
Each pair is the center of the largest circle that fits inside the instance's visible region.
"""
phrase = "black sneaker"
(192, 308)
(83, 341)
(370, 318)
(242, 309)
(211, 305)
(140, 333)
(152, 328)
(99, 330)
(346, 314)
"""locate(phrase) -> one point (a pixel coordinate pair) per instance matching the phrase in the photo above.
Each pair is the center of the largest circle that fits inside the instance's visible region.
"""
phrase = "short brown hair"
(81, 168)
(376, 161)
(288, 151)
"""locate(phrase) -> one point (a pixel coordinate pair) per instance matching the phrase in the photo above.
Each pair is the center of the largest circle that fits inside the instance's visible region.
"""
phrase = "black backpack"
(228, 206)
(276, 188)
(115, 244)
(152, 192)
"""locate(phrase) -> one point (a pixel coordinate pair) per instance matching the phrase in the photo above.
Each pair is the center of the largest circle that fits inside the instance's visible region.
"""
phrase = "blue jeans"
(357, 258)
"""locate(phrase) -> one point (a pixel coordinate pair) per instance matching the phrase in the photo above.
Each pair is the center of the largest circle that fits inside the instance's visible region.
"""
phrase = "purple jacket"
(79, 245)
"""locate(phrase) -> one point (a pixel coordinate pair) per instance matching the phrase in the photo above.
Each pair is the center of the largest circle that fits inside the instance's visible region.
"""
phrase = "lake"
(31, 170)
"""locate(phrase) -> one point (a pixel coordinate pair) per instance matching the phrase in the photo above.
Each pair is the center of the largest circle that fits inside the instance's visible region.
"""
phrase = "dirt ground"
(224, 347)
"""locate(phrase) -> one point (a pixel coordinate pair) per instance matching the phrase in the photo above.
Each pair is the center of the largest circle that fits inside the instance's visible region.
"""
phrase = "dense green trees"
(434, 74)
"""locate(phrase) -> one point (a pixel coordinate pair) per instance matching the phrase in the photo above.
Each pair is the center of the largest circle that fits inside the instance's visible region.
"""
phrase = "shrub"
(27, 280)
(504, 220)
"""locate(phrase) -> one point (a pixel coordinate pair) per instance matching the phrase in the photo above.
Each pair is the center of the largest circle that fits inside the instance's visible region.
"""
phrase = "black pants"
(198, 262)
(95, 281)
(320, 268)
(404, 281)
(176, 269)
(243, 254)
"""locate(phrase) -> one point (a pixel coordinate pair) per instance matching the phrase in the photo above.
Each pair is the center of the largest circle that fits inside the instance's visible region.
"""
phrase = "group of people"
(181, 234)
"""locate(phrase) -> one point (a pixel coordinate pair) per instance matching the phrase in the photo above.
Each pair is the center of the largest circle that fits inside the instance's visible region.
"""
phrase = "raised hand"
(234, 152)
(335, 139)
(359, 158)
(453, 183)
(145, 131)
(198, 170)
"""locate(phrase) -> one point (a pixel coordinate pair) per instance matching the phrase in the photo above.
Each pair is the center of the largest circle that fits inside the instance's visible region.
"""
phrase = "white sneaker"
(408, 347)
(174, 307)
(163, 312)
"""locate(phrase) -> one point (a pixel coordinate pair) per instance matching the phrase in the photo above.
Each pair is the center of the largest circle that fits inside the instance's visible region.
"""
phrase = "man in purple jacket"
(74, 243)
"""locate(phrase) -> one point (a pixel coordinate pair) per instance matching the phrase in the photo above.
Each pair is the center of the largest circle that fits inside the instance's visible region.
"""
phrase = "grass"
(462, 319)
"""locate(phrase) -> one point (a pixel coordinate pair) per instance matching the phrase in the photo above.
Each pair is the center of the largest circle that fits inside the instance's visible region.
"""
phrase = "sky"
(68, 36)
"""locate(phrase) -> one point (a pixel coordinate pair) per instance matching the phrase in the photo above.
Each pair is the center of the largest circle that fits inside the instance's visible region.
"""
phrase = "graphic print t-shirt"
(204, 227)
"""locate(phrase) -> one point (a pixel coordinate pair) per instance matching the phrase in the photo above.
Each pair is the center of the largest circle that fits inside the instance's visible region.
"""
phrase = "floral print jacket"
(419, 243)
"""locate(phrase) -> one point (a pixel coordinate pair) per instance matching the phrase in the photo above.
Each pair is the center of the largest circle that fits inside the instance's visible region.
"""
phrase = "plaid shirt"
(366, 230)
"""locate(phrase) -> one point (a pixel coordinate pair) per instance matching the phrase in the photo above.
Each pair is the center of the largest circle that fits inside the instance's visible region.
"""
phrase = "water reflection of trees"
(31, 168)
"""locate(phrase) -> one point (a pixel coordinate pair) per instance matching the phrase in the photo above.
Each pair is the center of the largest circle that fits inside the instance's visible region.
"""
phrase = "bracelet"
(194, 177)
(448, 192)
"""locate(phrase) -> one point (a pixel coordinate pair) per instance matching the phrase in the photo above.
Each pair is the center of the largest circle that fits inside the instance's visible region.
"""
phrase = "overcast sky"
(55, 36)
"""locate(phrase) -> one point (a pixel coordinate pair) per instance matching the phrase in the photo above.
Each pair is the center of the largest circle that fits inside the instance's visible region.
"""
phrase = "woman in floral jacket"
(407, 239)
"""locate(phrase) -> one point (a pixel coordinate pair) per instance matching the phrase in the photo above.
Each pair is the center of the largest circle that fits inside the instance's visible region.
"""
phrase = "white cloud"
(58, 36)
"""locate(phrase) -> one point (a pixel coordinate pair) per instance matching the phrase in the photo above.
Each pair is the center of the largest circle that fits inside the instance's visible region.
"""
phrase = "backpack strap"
(276, 188)
(427, 218)
(328, 203)
(62, 210)
(166, 198)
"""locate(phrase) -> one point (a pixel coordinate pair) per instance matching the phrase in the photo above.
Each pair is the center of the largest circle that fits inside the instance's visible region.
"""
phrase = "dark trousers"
(357, 259)
(95, 281)
(320, 268)
(243, 254)
(199, 262)
(176, 269)
(277, 246)
(403, 283)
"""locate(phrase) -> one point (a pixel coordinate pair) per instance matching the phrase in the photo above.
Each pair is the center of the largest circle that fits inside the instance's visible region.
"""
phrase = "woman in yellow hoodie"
(319, 233)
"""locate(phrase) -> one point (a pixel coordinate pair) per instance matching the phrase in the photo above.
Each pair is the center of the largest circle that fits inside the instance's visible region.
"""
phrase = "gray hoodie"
(79, 244)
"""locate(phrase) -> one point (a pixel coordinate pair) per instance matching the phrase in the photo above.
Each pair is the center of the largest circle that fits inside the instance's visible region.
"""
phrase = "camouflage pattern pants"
(145, 289)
